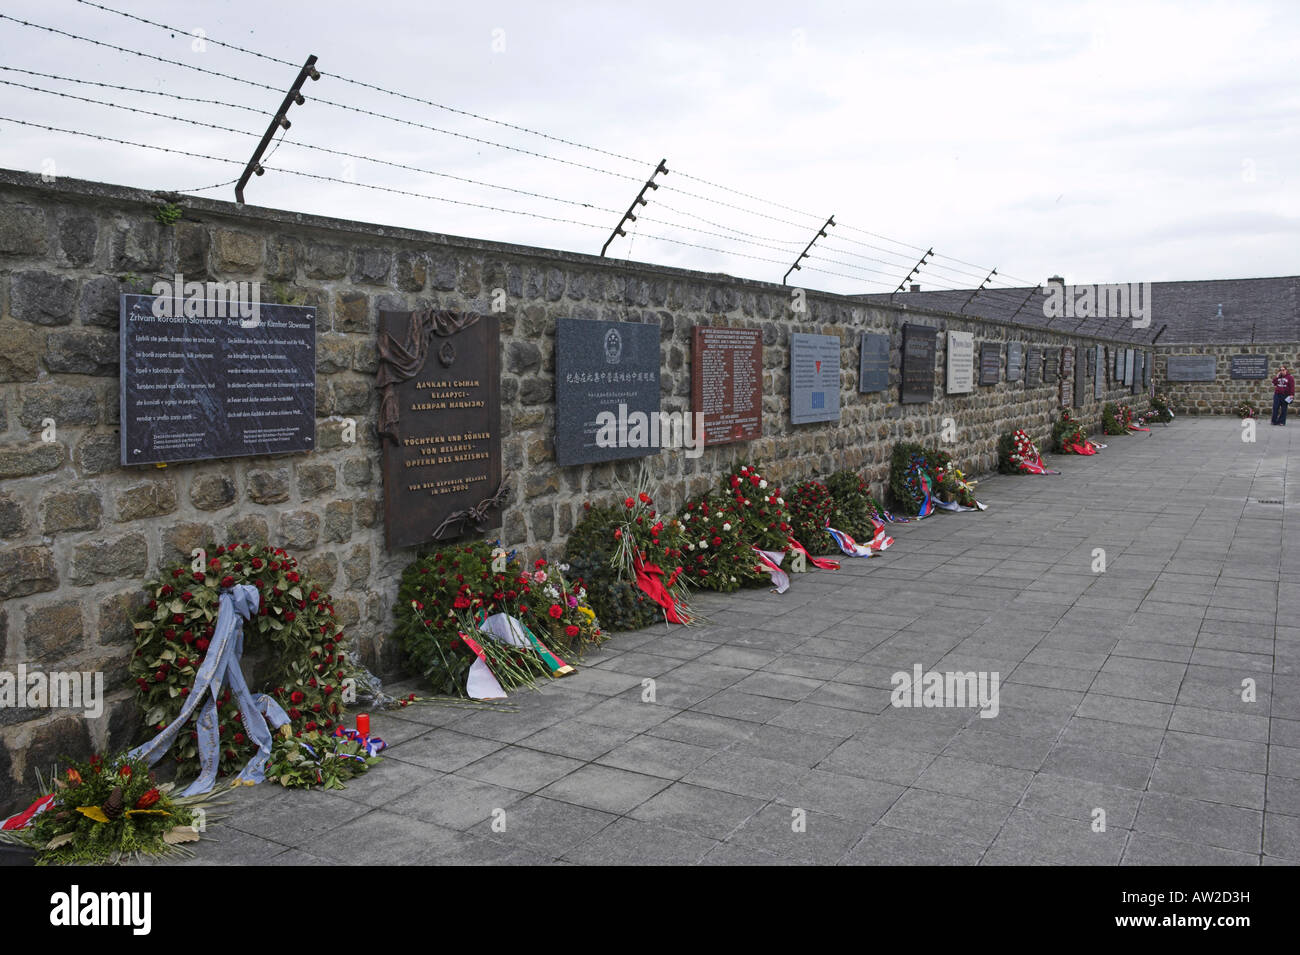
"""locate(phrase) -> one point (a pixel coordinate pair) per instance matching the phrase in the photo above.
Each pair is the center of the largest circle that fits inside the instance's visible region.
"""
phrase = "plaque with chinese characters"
(606, 391)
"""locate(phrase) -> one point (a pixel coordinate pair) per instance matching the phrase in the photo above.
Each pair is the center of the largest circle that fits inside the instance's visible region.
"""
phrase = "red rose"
(292, 577)
(159, 676)
(125, 772)
(556, 611)
(148, 799)
(570, 631)
(290, 617)
(227, 581)
(202, 644)
(257, 563)
(296, 696)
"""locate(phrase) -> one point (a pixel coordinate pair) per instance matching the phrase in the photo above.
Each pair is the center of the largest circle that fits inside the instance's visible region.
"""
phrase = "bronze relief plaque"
(440, 425)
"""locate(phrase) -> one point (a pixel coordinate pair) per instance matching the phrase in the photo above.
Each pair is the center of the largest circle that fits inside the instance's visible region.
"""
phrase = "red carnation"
(570, 631)
(556, 611)
(227, 581)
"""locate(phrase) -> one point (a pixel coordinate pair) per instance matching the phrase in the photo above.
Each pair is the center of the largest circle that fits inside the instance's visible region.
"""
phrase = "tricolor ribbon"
(879, 541)
(23, 819)
(770, 561)
(236, 605)
(481, 684)
(927, 501)
(822, 563)
(372, 745)
(649, 580)
(507, 629)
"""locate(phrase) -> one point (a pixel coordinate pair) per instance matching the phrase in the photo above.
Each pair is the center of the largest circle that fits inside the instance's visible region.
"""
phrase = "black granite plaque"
(873, 363)
(1034, 368)
(1248, 366)
(1099, 372)
(440, 424)
(990, 363)
(1118, 374)
(917, 379)
(606, 391)
(1015, 361)
(1051, 366)
(1139, 360)
(203, 381)
(1146, 369)
(1130, 363)
(727, 382)
(1081, 376)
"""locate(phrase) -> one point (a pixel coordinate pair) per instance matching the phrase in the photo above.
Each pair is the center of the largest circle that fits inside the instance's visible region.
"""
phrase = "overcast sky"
(1106, 142)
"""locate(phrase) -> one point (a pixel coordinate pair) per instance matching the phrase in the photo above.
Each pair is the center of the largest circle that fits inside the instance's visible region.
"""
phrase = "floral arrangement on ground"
(309, 660)
(101, 811)
(912, 467)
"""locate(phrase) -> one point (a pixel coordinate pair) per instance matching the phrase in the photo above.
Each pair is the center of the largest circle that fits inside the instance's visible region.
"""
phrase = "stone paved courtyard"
(1120, 690)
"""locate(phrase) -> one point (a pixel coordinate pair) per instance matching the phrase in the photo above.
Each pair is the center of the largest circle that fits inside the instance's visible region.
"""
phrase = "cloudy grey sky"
(1106, 142)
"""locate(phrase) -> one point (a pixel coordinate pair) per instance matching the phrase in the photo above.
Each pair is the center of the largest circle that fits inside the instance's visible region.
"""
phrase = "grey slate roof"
(1254, 310)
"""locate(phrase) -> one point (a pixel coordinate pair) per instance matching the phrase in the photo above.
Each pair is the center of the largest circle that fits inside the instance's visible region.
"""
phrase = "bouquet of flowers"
(764, 522)
(811, 508)
(1070, 436)
(592, 556)
(855, 510)
(1017, 454)
(1112, 421)
(1243, 410)
(443, 598)
(562, 616)
(106, 811)
(717, 556)
(315, 759)
(643, 546)
(951, 486)
(1160, 410)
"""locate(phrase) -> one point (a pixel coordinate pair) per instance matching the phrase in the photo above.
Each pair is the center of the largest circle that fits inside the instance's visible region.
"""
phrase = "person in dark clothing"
(1283, 392)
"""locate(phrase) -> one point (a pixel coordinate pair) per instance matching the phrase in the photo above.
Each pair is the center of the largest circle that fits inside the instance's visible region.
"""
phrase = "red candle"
(363, 724)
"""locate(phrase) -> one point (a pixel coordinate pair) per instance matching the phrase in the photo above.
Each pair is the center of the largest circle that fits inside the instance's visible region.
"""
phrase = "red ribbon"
(1085, 448)
(648, 578)
(822, 563)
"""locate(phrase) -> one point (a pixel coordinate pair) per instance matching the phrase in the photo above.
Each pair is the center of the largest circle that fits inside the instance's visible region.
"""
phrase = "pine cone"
(113, 805)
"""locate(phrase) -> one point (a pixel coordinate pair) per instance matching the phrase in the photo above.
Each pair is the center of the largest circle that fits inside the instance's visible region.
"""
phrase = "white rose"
(704, 545)
(780, 500)
(762, 484)
(726, 527)
(690, 547)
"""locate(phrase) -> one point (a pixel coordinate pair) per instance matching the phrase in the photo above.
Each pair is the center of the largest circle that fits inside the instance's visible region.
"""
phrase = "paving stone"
(605, 788)
(630, 842)
(698, 809)
(952, 817)
(1146, 849)
(1058, 840)
(1212, 784)
(1191, 820)
(884, 845)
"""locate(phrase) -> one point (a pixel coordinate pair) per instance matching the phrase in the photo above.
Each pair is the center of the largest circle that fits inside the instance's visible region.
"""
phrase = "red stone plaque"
(727, 382)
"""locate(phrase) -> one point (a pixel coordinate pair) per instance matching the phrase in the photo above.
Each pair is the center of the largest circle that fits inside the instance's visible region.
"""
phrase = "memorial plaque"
(215, 384)
(1118, 375)
(440, 424)
(1066, 385)
(1139, 371)
(873, 363)
(990, 363)
(1051, 366)
(727, 382)
(814, 378)
(1081, 376)
(1146, 369)
(1015, 361)
(606, 391)
(1190, 368)
(917, 377)
(1099, 375)
(1130, 362)
(1248, 366)
(1034, 368)
(961, 363)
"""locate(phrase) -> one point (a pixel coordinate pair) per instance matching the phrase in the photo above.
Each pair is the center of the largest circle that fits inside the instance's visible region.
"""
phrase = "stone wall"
(80, 532)
(1224, 395)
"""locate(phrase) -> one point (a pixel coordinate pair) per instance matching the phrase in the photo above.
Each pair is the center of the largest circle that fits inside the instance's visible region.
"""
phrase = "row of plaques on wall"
(197, 387)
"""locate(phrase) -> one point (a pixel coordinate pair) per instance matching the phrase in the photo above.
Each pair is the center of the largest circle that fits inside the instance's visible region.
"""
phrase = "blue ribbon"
(221, 665)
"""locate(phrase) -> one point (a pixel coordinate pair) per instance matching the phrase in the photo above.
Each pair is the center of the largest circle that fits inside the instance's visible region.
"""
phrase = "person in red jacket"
(1283, 392)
